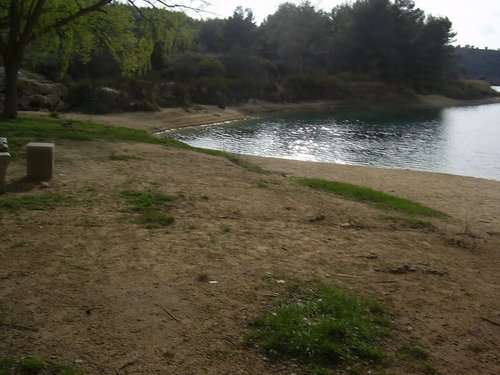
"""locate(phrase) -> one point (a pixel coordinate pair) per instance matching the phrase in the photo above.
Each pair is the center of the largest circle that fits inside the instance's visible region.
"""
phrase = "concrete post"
(40, 161)
(4, 162)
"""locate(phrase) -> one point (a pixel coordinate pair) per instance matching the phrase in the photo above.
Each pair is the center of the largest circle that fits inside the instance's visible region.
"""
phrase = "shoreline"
(474, 199)
(406, 169)
(168, 119)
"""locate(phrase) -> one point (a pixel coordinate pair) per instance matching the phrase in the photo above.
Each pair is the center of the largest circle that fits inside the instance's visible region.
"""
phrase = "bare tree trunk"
(11, 67)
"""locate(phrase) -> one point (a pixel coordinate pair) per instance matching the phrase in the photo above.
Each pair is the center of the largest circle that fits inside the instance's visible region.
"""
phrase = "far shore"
(196, 115)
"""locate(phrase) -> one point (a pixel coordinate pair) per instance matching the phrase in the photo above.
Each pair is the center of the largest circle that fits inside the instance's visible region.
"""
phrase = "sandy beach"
(85, 284)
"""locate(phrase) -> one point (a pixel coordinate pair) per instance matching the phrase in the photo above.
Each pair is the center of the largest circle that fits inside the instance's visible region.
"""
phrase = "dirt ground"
(85, 284)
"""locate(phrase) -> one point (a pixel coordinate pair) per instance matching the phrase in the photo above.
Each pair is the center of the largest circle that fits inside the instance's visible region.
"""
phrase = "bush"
(467, 89)
(92, 97)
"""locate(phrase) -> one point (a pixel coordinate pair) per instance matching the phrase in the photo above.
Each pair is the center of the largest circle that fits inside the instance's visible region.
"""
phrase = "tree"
(240, 29)
(367, 38)
(436, 56)
(21, 22)
(297, 35)
(391, 41)
(70, 26)
(227, 35)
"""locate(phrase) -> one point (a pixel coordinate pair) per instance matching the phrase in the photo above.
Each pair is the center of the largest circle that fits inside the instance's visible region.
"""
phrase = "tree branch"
(97, 6)
(83, 11)
(34, 13)
(153, 4)
(141, 13)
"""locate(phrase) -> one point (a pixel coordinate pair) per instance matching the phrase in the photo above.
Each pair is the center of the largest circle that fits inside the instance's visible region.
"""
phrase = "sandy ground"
(87, 285)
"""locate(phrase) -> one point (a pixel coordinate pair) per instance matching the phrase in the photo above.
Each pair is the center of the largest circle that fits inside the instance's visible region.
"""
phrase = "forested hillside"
(480, 63)
(140, 59)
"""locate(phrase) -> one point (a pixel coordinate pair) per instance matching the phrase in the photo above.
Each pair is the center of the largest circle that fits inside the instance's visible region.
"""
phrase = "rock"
(36, 93)
(4, 147)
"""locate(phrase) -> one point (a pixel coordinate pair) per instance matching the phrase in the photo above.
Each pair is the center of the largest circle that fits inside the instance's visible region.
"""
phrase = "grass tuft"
(377, 198)
(326, 327)
(33, 202)
(34, 366)
(150, 206)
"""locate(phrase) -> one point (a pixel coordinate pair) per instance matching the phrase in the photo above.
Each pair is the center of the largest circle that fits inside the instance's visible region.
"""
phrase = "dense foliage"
(142, 58)
(480, 63)
(60, 29)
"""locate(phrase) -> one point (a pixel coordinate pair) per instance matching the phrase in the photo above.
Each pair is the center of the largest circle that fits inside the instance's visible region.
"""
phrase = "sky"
(476, 22)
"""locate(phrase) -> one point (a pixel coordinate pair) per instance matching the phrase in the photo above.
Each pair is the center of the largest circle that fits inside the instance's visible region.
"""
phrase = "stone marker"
(40, 161)
(4, 162)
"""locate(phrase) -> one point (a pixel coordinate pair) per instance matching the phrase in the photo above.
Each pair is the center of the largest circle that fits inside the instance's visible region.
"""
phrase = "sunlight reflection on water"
(464, 141)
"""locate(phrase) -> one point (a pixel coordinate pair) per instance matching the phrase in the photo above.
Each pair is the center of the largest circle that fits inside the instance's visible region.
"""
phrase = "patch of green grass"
(377, 198)
(38, 129)
(34, 366)
(26, 129)
(33, 202)
(150, 205)
(325, 327)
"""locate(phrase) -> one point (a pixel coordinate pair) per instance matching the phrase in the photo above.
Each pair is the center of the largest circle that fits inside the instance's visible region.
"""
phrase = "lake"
(459, 140)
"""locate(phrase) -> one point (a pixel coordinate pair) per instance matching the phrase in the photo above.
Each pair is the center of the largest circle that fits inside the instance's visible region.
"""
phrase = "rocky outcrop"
(36, 93)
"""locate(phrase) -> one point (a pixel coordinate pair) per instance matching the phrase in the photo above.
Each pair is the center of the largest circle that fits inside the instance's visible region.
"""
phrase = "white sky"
(476, 22)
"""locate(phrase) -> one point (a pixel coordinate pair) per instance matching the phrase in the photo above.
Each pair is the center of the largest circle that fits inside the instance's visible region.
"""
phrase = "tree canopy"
(80, 27)
(297, 52)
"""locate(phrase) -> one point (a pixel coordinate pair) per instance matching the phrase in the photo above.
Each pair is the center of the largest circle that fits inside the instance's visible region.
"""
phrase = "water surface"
(462, 140)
